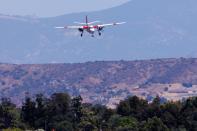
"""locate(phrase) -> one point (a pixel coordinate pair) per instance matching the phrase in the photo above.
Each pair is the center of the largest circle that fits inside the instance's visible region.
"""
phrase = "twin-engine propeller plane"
(90, 27)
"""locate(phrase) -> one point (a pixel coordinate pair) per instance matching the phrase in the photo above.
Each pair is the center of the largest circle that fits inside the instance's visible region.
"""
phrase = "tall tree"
(58, 107)
(76, 110)
(28, 112)
(41, 111)
(154, 108)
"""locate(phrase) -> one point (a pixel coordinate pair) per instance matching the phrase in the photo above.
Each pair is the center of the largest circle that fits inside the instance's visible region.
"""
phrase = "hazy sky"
(48, 8)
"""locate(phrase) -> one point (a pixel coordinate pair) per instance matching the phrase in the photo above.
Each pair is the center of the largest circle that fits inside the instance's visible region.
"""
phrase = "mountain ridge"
(154, 29)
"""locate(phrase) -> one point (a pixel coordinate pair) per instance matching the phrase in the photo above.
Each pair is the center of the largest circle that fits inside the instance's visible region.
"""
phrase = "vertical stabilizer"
(86, 20)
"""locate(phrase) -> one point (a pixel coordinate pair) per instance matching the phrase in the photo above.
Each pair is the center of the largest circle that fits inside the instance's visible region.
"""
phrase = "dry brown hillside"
(104, 82)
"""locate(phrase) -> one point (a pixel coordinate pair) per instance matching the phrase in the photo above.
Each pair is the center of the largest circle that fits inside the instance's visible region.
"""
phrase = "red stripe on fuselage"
(86, 27)
(96, 27)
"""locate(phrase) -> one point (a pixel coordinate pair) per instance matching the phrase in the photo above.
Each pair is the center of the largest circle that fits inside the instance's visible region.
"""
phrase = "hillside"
(154, 29)
(105, 82)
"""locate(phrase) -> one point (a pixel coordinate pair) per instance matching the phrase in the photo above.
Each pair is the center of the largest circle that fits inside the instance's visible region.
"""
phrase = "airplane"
(90, 27)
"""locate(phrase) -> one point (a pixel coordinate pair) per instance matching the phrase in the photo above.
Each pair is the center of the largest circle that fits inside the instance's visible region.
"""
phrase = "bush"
(12, 129)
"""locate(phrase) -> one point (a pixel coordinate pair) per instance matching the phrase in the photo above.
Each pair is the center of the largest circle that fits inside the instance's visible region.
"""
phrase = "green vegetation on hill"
(63, 113)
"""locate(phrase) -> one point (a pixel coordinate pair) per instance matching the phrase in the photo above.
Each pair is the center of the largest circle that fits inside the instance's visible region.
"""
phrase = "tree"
(124, 108)
(118, 122)
(154, 108)
(62, 126)
(101, 115)
(12, 129)
(107, 114)
(28, 112)
(89, 120)
(154, 124)
(133, 106)
(57, 109)
(171, 114)
(41, 111)
(60, 103)
(189, 113)
(9, 115)
(76, 109)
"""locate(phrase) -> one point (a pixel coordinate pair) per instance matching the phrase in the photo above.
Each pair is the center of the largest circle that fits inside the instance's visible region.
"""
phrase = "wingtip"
(123, 22)
(119, 23)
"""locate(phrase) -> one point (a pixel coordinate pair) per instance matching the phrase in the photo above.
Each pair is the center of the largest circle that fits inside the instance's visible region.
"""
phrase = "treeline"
(63, 113)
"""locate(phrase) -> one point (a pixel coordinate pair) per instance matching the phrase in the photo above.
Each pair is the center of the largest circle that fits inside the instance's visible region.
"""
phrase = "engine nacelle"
(100, 28)
(81, 30)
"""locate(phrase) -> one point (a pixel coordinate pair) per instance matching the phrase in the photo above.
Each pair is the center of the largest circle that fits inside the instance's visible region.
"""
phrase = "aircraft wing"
(111, 24)
(70, 27)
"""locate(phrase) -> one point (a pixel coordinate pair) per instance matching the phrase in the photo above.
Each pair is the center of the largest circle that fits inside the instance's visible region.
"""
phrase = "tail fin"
(86, 20)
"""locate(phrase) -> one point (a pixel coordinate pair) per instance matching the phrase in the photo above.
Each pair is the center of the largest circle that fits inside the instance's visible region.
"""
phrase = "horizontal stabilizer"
(93, 22)
(80, 23)
(86, 23)
(59, 27)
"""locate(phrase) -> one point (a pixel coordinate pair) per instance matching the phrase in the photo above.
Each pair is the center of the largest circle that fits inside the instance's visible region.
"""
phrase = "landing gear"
(81, 33)
(100, 29)
(81, 30)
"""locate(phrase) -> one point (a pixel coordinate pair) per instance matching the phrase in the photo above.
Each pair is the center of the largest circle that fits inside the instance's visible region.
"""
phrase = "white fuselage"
(91, 29)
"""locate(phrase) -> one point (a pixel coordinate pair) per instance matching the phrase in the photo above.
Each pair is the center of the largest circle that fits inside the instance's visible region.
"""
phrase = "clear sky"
(49, 8)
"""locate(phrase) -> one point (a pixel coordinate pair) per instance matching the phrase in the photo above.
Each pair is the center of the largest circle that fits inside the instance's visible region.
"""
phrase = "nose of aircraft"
(92, 29)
